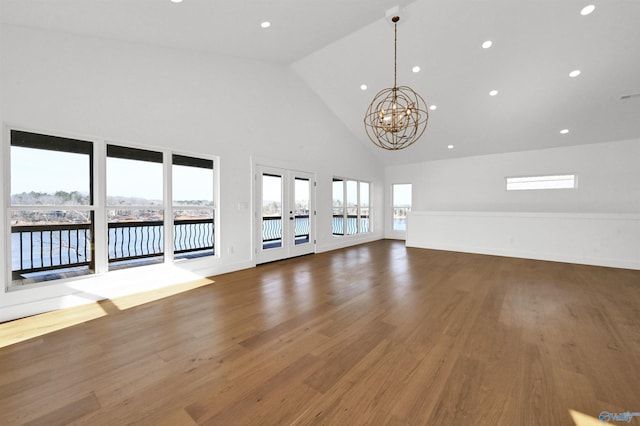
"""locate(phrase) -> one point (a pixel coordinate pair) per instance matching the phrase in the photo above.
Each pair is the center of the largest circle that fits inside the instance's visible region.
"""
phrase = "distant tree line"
(75, 198)
(58, 198)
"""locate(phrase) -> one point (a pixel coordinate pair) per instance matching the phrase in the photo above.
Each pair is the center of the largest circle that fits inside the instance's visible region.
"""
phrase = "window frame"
(173, 207)
(47, 142)
(345, 208)
(393, 207)
(99, 206)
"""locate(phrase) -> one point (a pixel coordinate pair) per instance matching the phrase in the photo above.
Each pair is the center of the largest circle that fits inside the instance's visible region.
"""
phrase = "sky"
(402, 194)
(272, 190)
(48, 172)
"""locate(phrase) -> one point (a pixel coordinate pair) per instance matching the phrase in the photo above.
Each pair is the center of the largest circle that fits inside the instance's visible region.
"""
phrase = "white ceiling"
(337, 45)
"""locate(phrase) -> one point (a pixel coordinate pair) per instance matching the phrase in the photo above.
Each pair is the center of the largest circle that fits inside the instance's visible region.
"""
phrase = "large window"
(150, 211)
(351, 207)
(51, 211)
(193, 209)
(401, 205)
(134, 206)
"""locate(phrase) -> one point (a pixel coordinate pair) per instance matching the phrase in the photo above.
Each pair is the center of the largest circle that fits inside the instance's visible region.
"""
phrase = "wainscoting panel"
(585, 238)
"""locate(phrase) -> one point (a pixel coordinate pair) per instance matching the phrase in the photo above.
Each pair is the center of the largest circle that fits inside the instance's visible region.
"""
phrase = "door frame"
(288, 248)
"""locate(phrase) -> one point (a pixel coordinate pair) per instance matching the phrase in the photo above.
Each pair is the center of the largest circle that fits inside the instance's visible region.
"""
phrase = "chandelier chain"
(395, 54)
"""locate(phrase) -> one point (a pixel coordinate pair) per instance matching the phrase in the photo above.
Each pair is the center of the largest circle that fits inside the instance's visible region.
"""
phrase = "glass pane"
(401, 205)
(271, 211)
(192, 186)
(47, 177)
(364, 207)
(302, 189)
(133, 182)
(136, 237)
(338, 207)
(50, 244)
(352, 207)
(192, 190)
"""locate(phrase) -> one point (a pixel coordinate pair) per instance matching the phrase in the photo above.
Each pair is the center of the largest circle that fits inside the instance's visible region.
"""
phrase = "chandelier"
(397, 116)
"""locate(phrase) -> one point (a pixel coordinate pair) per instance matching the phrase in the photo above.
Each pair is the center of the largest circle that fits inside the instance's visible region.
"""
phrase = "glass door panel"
(271, 211)
(301, 210)
(287, 218)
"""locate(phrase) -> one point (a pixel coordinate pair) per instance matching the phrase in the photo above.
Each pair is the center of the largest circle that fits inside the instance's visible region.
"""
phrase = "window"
(351, 207)
(401, 205)
(193, 210)
(541, 182)
(54, 226)
(51, 210)
(135, 213)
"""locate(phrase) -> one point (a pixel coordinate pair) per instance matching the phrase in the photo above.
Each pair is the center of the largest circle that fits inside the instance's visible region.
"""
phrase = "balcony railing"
(352, 224)
(272, 230)
(38, 248)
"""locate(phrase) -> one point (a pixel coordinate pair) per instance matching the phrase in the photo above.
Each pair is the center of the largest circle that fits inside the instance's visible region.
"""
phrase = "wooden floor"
(373, 334)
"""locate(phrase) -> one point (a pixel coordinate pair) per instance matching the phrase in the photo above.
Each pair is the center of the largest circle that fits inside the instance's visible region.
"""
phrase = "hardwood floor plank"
(265, 403)
(68, 413)
(341, 360)
(425, 383)
(466, 400)
(361, 394)
(372, 334)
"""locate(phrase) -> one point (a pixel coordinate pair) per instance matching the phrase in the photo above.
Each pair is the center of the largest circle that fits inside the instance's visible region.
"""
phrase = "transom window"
(541, 182)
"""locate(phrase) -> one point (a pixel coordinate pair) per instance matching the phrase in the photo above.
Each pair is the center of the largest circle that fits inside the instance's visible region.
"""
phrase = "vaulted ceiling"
(338, 45)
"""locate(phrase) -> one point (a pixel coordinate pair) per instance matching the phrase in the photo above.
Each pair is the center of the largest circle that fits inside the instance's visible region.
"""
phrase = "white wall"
(461, 204)
(198, 103)
(608, 177)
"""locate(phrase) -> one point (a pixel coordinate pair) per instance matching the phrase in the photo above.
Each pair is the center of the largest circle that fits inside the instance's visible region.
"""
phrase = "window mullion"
(358, 230)
(168, 207)
(345, 209)
(100, 209)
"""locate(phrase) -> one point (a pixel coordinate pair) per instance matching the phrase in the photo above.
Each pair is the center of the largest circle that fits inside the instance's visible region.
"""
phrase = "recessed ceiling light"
(587, 10)
(487, 44)
(493, 93)
(433, 107)
(564, 131)
(265, 24)
(450, 146)
(574, 73)
(415, 69)
(176, 1)
(363, 87)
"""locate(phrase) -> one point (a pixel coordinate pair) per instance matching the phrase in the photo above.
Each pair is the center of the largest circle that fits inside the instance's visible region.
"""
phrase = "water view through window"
(401, 205)
(53, 218)
(51, 213)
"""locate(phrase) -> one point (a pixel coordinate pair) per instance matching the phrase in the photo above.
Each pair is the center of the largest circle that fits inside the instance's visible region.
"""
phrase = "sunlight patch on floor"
(38, 325)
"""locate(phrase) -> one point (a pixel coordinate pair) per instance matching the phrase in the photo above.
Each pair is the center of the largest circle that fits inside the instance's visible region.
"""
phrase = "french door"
(285, 216)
